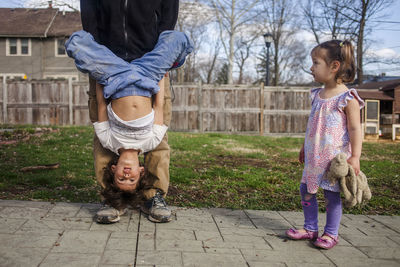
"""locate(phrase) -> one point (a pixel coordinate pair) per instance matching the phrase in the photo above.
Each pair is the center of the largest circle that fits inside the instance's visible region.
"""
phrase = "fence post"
(199, 103)
(5, 98)
(262, 108)
(70, 104)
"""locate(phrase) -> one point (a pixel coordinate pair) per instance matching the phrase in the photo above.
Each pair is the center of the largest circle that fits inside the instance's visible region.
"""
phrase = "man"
(130, 29)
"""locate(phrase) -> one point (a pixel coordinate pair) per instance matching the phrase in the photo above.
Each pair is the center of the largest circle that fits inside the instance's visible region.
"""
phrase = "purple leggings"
(310, 209)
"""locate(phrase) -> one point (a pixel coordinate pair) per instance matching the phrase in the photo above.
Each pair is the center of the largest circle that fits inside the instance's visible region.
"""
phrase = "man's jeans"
(120, 78)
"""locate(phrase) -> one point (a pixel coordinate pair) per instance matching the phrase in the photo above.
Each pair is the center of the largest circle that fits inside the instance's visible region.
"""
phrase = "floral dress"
(326, 136)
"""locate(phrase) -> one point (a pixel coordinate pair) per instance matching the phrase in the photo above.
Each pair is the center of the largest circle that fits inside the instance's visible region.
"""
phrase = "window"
(24, 46)
(60, 47)
(18, 47)
(13, 46)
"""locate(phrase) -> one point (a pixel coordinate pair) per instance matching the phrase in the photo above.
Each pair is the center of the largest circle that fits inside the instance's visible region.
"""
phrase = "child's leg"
(333, 212)
(310, 209)
(171, 47)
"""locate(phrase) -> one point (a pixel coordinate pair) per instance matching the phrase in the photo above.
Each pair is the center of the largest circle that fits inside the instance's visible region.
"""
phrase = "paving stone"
(27, 240)
(234, 222)
(124, 257)
(344, 252)
(191, 212)
(226, 212)
(381, 252)
(236, 245)
(370, 241)
(120, 226)
(395, 238)
(11, 257)
(261, 214)
(226, 251)
(124, 235)
(220, 260)
(179, 245)
(189, 223)
(23, 212)
(82, 241)
(246, 231)
(170, 258)
(121, 244)
(63, 210)
(207, 235)
(245, 239)
(22, 203)
(10, 225)
(294, 264)
(175, 234)
(296, 256)
(58, 224)
(271, 224)
(88, 210)
(71, 260)
(345, 262)
(146, 242)
(390, 221)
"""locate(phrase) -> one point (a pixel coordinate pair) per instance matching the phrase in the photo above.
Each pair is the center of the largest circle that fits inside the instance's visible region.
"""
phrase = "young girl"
(333, 127)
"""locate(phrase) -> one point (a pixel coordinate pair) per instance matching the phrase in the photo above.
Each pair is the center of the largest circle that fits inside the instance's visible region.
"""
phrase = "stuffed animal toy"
(355, 188)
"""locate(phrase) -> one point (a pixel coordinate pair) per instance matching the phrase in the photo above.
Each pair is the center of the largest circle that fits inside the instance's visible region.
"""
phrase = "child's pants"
(310, 209)
(121, 78)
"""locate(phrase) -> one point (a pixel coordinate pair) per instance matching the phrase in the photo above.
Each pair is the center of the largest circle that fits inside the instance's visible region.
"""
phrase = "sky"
(385, 36)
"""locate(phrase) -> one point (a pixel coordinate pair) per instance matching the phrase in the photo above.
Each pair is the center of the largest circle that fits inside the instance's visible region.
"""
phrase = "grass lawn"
(207, 170)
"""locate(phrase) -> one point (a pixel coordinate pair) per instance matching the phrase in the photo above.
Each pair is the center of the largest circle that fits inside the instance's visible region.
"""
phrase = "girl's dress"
(326, 136)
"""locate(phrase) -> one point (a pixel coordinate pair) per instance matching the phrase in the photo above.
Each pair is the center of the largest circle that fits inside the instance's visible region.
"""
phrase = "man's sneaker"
(107, 214)
(157, 209)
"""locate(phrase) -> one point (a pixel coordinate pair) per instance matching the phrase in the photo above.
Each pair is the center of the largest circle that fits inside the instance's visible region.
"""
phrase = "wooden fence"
(195, 107)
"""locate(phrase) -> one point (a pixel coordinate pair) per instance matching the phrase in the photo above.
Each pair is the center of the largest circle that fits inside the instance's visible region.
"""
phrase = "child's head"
(338, 56)
(116, 195)
(127, 172)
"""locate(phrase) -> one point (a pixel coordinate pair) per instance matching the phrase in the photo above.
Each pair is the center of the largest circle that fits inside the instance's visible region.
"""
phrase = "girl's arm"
(354, 127)
(101, 104)
(158, 104)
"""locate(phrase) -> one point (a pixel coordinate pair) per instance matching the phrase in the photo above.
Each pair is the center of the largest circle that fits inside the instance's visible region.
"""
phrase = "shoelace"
(159, 200)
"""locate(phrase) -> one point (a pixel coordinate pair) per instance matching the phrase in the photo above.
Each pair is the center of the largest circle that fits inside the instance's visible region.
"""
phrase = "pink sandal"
(326, 243)
(297, 235)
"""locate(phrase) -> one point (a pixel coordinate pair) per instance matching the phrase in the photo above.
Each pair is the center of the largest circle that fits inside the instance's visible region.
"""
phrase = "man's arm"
(158, 104)
(101, 104)
(169, 15)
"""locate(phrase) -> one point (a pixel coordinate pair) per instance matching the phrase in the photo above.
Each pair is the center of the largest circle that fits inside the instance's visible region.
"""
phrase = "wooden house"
(32, 43)
(381, 116)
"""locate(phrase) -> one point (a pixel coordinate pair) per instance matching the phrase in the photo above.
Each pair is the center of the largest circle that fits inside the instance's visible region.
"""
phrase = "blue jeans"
(120, 78)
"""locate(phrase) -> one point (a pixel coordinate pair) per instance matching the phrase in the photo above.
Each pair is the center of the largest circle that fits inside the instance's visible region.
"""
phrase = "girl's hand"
(301, 155)
(355, 163)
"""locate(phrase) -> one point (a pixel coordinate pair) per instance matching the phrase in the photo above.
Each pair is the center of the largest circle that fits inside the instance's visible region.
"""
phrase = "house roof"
(383, 85)
(40, 22)
(374, 94)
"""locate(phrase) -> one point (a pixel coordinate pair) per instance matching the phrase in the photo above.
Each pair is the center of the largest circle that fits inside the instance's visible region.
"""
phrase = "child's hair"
(341, 51)
(114, 196)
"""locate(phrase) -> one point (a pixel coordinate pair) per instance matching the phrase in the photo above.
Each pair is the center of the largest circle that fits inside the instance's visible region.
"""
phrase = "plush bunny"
(355, 188)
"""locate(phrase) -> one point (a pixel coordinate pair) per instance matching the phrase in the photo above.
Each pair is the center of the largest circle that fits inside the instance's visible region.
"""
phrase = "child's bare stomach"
(131, 107)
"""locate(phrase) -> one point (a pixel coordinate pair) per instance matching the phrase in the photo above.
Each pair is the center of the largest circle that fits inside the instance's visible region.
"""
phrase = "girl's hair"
(116, 197)
(341, 51)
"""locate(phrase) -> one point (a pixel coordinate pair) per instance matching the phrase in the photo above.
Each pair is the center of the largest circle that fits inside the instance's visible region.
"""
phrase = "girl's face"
(320, 70)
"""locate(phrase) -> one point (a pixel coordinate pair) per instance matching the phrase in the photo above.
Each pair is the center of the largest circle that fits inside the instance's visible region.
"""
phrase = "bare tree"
(347, 19)
(244, 46)
(279, 21)
(193, 19)
(71, 5)
(231, 16)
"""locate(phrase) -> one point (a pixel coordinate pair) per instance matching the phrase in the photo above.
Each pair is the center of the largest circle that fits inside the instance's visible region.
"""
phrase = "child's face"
(127, 174)
(320, 70)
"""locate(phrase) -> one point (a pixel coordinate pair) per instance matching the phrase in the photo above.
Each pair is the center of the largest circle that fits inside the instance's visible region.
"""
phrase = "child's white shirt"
(140, 134)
